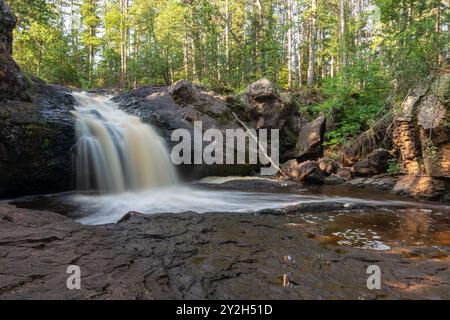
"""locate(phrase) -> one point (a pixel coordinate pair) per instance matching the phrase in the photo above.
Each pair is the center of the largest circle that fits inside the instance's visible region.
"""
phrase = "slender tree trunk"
(123, 42)
(300, 29)
(227, 39)
(186, 54)
(438, 29)
(342, 40)
(289, 20)
(259, 35)
(312, 44)
(332, 67)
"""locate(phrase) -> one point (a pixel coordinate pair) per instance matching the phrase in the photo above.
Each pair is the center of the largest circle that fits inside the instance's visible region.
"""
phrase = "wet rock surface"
(12, 82)
(36, 140)
(178, 107)
(212, 256)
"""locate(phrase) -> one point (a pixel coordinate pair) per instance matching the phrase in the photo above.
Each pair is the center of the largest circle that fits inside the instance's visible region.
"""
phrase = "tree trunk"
(342, 40)
(123, 42)
(312, 44)
(289, 20)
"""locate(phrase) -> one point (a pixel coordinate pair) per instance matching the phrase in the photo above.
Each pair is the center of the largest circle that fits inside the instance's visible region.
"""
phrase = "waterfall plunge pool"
(387, 221)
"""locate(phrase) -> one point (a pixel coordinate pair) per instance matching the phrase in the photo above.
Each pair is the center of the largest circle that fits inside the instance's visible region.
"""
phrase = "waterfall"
(117, 152)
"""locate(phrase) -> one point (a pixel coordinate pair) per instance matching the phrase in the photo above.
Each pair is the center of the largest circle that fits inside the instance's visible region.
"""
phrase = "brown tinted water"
(389, 221)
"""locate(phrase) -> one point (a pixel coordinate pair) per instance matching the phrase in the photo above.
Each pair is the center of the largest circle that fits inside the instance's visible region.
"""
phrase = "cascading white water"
(117, 152)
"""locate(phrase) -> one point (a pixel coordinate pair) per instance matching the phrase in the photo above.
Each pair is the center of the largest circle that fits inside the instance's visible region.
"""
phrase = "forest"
(361, 54)
(124, 127)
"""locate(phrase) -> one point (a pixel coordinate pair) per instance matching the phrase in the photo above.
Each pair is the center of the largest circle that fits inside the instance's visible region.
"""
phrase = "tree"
(312, 44)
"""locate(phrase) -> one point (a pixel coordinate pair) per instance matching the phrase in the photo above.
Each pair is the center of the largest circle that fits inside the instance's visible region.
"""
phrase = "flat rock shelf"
(208, 256)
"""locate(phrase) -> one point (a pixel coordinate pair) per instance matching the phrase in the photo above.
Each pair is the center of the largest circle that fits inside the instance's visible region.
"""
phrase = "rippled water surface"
(393, 221)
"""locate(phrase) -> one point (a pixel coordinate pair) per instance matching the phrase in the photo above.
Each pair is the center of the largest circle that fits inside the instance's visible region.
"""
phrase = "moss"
(45, 144)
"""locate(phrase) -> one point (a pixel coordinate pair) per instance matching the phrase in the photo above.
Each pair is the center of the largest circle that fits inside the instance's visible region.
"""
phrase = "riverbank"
(303, 252)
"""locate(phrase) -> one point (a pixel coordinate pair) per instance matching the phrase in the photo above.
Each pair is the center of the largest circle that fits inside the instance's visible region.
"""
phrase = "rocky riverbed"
(308, 251)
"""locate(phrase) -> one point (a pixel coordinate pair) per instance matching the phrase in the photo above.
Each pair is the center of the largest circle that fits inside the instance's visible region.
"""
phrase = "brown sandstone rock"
(309, 172)
(328, 166)
(345, 173)
(310, 139)
(423, 187)
(421, 132)
(375, 163)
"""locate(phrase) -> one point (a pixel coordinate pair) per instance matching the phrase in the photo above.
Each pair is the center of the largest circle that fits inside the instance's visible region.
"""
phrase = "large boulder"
(307, 172)
(12, 82)
(345, 173)
(183, 92)
(310, 139)
(375, 163)
(266, 105)
(423, 187)
(328, 166)
(178, 107)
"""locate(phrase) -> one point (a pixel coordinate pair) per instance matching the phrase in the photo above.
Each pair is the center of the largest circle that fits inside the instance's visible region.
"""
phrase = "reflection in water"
(393, 222)
(381, 230)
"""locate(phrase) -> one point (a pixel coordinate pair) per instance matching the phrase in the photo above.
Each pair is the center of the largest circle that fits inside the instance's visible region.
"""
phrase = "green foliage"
(393, 166)
(358, 96)
(431, 151)
(225, 45)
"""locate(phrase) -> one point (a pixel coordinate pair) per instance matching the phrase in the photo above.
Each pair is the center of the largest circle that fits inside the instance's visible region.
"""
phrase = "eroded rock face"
(375, 163)
(178, 107)
(36, 140)
(310, 139)
(421, 133)
(423, 187)
(12, 82)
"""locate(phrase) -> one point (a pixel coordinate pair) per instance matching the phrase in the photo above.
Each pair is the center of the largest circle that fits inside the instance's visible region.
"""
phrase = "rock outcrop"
(422, 134)
(422, 139)
(375, 163)
(36, 140)
(307, 172)
(36, 126)
(266, 105)
(310, 139)
(13, 84)
(204, 256)
(178, 107)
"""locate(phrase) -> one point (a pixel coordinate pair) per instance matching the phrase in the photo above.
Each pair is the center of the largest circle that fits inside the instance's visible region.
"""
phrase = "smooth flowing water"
(122, 165)
(117, 152)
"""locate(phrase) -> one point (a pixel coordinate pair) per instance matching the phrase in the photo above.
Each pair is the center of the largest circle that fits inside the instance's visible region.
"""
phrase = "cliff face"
(421, 136)
(12, 82)
(422, 132)
(36, 127)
